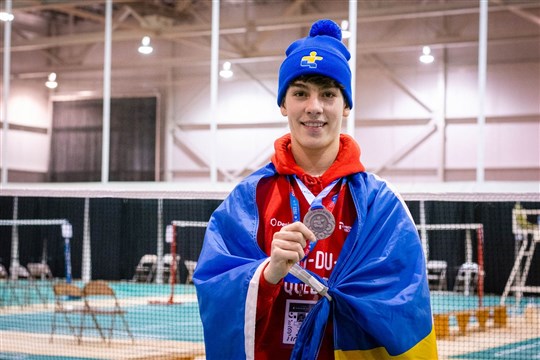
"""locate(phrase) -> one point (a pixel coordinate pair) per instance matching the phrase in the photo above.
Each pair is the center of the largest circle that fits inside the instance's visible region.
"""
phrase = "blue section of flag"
(379, 286)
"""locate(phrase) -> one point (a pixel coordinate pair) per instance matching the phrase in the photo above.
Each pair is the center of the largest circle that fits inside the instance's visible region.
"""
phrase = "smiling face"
(315, 111)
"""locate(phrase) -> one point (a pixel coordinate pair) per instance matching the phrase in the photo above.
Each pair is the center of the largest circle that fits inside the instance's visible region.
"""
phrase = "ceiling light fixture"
(226, 71)
(51, 81)
(345, 33)
(145, 47)
(4, 16)
(426, 56)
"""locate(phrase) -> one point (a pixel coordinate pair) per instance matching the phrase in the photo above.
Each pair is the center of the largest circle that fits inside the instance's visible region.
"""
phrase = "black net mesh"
(483, 267)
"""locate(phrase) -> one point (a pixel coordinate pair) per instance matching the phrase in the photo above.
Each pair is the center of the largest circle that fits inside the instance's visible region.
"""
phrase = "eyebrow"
(304, 86)
(298, 84)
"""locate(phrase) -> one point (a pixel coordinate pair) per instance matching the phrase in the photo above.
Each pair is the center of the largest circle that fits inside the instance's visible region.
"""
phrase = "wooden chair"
(101, 302)
(67, 302)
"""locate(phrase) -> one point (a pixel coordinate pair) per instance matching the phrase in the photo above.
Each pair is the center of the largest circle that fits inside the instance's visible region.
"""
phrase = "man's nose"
(314, 105)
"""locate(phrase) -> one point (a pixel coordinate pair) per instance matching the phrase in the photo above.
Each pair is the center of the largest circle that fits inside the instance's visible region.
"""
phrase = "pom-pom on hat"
(321, 53)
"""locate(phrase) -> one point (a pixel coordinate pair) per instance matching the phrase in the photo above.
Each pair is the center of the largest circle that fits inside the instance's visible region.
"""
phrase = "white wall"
(27, 143)
(511, 136)
(253, 120)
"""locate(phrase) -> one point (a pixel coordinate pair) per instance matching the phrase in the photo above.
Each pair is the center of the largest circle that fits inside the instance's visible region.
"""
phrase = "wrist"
(270, 276)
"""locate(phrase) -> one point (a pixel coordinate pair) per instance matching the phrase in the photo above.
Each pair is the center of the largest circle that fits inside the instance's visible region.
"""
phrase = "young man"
(314, 207)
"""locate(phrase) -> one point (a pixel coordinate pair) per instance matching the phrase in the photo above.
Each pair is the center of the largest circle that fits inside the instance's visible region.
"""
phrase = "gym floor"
(170, 328)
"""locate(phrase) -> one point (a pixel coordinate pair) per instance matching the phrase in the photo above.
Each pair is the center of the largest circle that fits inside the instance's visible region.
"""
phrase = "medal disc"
(321, 222)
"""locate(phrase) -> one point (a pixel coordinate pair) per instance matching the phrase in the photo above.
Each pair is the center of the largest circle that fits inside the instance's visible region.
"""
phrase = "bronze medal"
(321, 222)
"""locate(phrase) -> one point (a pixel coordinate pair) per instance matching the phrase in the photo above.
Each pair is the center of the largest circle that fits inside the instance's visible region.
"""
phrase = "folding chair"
(144, 272)
(18, 290)
(3, 272)
(190, 266)
(66, 304)
(19, 271)
(167, 266)
(4, 285)
(39, 272)
(100, 300)
(467, 278)
(436, 271)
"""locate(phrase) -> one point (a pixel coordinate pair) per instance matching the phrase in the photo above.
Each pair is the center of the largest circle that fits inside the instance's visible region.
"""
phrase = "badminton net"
(482, 266)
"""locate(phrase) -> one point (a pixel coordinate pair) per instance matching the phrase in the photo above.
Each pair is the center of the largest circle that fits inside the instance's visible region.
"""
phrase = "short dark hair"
(320, 80)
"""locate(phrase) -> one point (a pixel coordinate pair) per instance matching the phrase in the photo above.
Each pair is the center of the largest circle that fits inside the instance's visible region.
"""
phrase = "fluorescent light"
(4, 16)
(226, 72)
(145, 47)
(51, 81)
(426, 56)
(345, 33)
(85, 93)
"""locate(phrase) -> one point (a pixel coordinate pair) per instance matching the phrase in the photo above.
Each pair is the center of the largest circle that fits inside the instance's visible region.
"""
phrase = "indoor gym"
(476, 317)
(446, 108)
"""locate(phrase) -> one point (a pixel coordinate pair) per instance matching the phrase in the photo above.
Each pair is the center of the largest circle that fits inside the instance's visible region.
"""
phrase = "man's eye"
(299, 93)
(329, 94)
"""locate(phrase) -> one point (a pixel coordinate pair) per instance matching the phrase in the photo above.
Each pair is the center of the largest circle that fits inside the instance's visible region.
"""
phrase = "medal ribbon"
(316, 201)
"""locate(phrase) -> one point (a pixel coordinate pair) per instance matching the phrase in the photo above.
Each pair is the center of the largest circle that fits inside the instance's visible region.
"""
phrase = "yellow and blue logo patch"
(310, 60)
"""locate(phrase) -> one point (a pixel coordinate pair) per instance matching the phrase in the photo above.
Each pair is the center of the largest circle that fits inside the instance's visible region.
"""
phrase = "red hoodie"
(275, 334)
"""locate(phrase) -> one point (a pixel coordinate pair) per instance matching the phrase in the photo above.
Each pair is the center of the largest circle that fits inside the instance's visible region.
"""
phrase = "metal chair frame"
(100, 300)
(95, 299)
(39, 273)
(146, 268)
(64, 293)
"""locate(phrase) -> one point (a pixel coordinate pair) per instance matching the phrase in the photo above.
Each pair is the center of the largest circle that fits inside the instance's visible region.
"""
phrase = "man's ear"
(283, 109)
(346, 111)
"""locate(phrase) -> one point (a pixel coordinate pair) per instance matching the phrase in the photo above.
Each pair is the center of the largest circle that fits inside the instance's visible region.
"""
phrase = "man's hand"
(287, 249)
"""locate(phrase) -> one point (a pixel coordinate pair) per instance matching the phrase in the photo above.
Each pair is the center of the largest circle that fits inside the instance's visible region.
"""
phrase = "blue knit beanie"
(321, 53)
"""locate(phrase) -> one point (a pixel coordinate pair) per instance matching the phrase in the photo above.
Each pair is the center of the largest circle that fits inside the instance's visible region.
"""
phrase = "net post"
(67, 233)
(86, 266)
(158, 277)
(15, 242)
(172, 270)
(480, 249)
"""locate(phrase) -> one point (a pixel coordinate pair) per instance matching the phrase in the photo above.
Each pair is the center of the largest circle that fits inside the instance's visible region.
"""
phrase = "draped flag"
(380, 305)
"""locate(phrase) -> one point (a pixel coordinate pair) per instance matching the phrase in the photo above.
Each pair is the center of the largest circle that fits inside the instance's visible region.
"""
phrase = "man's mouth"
(315, 124)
